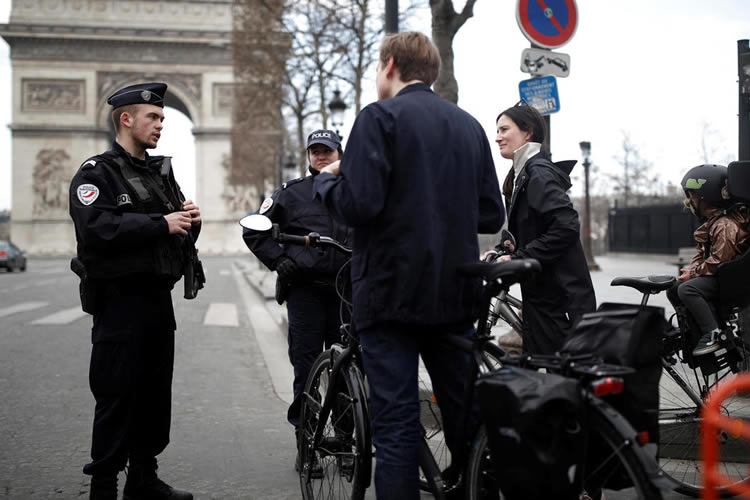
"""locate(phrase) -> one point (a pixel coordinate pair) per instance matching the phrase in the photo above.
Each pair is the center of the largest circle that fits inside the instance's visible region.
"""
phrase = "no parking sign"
(547, 23)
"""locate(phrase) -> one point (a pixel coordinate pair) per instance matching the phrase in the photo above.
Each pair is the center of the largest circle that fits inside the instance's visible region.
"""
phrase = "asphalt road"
(230, 439)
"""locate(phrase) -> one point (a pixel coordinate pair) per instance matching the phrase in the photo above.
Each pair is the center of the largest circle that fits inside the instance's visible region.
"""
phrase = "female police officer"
(306, 276)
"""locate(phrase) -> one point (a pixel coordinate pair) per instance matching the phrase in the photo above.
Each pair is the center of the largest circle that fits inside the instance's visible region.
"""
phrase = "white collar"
(522, 155)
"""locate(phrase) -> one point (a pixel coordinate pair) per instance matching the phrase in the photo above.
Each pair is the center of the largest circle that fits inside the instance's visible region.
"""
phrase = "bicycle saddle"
(646, 284)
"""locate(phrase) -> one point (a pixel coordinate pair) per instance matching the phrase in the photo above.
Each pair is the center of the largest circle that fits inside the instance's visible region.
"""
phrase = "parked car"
(11, 257)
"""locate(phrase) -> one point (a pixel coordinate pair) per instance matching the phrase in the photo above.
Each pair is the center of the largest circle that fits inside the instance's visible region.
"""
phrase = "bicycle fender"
(628, 433)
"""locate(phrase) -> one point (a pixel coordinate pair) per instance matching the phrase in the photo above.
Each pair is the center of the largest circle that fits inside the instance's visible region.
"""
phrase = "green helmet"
(708, 183)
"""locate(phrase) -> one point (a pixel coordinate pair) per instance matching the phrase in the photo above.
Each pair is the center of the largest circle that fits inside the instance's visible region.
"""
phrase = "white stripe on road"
(64, 317)
(219, 314)
(23, 306)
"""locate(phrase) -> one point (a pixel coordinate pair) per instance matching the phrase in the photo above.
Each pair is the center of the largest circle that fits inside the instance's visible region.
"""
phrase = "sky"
(663, 72)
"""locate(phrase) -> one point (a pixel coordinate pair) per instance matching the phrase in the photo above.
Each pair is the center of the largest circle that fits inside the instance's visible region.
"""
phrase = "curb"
(263, 281)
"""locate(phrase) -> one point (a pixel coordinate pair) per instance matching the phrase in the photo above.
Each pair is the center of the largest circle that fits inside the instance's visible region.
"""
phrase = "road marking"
(64, 317)
(23, 306)
(219, 314)
(225, 272)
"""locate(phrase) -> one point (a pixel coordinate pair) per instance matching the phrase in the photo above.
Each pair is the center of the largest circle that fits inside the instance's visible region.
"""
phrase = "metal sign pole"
(743, 70)
(391, 16)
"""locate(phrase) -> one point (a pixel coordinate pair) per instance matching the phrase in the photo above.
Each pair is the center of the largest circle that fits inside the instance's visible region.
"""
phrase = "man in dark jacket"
(306, 276)
(132, 224)
(417, 184)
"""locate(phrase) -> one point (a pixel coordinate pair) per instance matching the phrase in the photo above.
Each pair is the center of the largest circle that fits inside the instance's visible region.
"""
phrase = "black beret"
(142, 93)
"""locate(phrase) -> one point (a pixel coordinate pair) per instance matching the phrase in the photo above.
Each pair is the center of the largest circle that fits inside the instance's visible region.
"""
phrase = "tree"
(445, 24)
(636, 180)
(259, 49)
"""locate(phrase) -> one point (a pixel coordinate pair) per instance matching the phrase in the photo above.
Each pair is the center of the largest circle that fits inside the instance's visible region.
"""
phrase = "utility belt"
(94, 291)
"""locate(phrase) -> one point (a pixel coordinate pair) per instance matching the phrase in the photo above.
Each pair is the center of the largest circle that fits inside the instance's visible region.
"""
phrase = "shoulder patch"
(266, 205)
(87, 193)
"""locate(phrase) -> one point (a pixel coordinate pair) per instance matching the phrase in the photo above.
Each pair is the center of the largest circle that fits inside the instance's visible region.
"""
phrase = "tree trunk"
(445, 24)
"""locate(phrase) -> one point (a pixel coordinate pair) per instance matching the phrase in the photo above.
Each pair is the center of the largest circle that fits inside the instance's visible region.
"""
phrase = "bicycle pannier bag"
(628, 335)
(536, 432)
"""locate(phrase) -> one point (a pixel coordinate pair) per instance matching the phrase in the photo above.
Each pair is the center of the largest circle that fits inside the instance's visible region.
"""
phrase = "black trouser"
(131, 378)
(544, 329)
(697, 295)
(313, 312)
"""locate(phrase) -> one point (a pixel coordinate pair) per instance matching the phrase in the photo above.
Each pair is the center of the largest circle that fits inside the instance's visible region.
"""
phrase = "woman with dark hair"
(546, 228)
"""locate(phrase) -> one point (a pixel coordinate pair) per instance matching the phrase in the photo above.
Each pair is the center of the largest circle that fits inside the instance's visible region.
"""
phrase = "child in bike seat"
(722, 236)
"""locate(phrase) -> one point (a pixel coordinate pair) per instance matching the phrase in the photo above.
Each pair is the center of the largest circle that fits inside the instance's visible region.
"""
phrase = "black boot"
(142, 483)
(103, 487)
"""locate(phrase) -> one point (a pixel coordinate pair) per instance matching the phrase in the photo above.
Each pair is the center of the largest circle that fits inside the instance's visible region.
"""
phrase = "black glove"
(286, 267)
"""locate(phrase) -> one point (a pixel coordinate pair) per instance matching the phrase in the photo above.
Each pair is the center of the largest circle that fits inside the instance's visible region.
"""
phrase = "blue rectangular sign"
(541, 93)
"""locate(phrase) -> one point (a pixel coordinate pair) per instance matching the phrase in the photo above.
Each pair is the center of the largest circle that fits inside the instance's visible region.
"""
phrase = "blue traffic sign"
(541, 93)
(547, 23)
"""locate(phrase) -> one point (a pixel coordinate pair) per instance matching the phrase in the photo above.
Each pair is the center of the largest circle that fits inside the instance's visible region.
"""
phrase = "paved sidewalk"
(611, 266)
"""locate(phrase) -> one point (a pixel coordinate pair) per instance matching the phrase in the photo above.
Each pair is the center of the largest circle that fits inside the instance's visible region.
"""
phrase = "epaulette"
(292, 182)
(91, 162)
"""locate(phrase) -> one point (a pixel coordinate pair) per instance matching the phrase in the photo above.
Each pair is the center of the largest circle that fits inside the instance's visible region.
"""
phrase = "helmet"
(708, 183)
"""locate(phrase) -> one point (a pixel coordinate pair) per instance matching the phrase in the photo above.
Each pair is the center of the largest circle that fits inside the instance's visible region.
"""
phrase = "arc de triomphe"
(68, 56)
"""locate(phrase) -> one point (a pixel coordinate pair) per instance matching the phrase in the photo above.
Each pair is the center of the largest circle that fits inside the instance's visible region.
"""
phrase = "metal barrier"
(713, 422)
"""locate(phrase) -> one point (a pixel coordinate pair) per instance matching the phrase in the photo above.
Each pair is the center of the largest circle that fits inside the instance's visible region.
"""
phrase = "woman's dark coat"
(547, 228)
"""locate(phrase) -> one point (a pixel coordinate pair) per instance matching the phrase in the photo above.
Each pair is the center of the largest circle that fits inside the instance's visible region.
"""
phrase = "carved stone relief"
(171, 13)
(51, 179)
(223, 97)
(239, 198)
(53, 95)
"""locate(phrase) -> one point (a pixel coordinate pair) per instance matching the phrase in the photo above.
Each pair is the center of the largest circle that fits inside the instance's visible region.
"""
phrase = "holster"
(86, 288)
(194, 275)
(282, 290)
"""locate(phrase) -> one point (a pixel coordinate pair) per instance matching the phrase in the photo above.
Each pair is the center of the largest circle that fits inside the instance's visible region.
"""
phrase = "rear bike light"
(642, 438)
(609, 385)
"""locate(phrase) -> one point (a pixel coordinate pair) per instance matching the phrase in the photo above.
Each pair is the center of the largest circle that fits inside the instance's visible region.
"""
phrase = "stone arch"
(66, 60)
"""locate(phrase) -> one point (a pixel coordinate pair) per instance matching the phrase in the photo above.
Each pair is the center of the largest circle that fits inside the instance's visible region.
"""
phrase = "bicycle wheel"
(614, 457)
(679, 428)
(432, 422)
(339, 467)
(480, 480)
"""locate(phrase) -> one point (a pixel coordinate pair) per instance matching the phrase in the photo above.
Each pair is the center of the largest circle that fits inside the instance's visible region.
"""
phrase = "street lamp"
(586, 153)
(337, 107)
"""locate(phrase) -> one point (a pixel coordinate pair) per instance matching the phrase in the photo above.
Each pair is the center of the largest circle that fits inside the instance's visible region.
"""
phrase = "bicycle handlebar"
(313, 240)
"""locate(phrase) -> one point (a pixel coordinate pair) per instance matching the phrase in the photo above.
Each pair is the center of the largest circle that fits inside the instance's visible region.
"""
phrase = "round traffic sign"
(547, 23)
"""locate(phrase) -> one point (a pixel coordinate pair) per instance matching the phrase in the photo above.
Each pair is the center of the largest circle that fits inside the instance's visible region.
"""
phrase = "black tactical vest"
(148, 193)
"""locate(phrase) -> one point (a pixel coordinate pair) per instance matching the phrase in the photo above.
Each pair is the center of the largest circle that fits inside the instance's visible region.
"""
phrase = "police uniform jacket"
(293, 208)
(417, 183)
(546, 228)
(119, 219)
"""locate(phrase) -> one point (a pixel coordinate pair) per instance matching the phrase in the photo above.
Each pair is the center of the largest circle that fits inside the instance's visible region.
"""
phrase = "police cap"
(141, 93)
(326, 137)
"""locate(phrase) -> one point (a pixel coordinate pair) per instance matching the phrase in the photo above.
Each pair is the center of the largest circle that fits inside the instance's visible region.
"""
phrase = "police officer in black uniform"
(132, 225)
(305, 275)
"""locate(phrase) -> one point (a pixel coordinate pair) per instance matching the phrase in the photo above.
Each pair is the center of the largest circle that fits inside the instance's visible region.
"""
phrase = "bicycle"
(686, 381)
(617, 440)
(610, 446)
(335, 417)
(335, 424)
